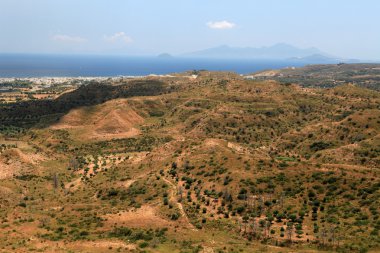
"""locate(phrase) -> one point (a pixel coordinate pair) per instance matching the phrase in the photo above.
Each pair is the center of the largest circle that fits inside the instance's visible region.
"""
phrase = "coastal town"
(23, 89)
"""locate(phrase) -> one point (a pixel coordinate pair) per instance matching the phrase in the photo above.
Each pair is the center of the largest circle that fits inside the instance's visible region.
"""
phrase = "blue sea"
(28, 65)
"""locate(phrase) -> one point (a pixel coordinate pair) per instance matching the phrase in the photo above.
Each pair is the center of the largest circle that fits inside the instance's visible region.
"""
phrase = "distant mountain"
(165, 55)
(278, 51)
(316, 58)
(322, 59)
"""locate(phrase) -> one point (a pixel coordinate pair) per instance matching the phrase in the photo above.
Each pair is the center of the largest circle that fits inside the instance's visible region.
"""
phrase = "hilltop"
(193, 162)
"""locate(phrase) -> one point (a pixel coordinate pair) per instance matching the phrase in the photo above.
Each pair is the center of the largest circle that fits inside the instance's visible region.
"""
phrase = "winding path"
(180, 206)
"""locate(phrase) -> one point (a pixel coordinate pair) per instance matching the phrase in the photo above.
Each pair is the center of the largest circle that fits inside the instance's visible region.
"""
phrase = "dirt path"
(180, 206)
(129, 182)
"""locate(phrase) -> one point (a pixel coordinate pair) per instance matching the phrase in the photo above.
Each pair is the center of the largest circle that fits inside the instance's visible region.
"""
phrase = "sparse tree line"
(4, 147)
(260, 212)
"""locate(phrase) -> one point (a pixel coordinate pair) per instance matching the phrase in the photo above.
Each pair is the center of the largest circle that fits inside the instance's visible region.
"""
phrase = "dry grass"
(113, 119)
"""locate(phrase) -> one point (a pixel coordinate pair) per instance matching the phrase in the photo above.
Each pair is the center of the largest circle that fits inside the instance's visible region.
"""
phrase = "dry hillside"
(208, 164)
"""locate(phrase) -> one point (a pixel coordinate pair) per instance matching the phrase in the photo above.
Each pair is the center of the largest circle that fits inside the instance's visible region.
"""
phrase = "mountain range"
(281, 51)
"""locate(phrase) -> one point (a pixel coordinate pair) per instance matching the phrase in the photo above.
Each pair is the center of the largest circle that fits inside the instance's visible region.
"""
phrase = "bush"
(22, 204)
(143, 245)
(174, 216)
(240, 209)
(320, 145)
(156, 113)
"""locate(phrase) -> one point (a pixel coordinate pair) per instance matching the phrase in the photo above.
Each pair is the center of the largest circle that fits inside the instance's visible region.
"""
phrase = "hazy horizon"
(146, 28)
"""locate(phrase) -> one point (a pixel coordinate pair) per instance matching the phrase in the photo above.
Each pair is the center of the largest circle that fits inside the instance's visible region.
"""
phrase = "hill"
(326, 75)
(206, 163)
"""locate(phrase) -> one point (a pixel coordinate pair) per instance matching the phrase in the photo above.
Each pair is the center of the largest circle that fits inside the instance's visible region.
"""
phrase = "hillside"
(326, 75)
(216, 163)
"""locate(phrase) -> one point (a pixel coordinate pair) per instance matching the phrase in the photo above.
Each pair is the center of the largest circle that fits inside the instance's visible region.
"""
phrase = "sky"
(344, 28)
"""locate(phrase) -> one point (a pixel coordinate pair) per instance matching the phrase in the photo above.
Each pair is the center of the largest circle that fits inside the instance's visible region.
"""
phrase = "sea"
(31, 65)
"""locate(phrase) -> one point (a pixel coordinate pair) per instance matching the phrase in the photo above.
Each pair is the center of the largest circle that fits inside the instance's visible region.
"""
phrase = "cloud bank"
(120, 36)
(68, 38)
(221, 25)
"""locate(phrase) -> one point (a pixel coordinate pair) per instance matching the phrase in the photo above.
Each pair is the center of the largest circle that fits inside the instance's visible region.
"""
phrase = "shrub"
(320, 145)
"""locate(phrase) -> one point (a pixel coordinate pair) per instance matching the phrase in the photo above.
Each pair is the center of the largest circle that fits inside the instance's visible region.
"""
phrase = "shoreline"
(63, 79)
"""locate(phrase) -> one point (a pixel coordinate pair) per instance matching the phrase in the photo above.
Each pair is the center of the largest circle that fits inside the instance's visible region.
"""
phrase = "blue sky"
(346, 28)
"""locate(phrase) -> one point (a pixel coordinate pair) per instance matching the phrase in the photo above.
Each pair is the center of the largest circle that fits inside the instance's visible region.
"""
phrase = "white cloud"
(68, 38)
(120, 36)
(221, 25)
